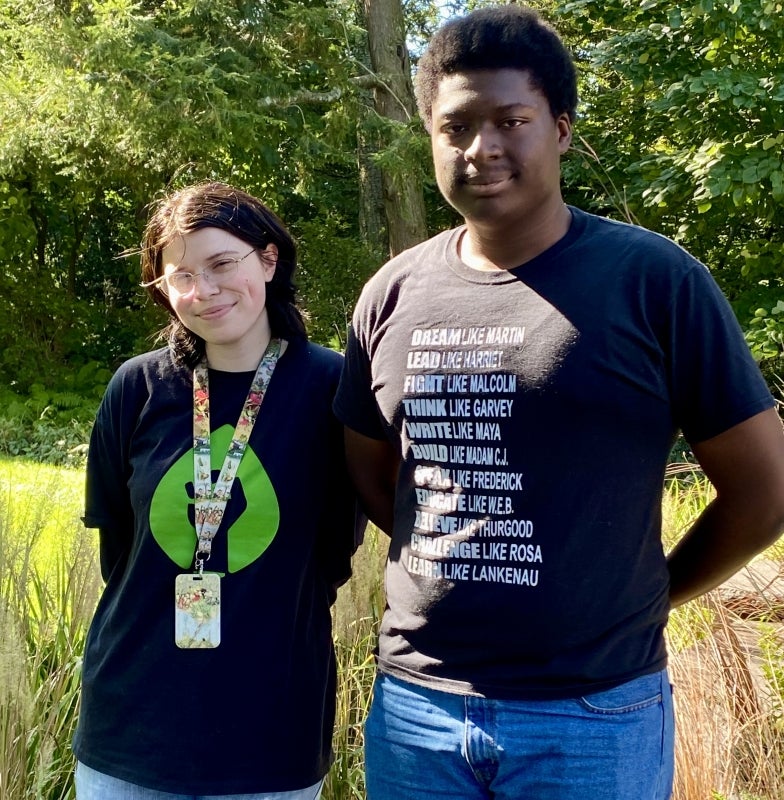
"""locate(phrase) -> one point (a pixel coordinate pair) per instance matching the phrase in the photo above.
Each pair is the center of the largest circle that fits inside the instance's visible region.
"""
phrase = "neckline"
(501, 276)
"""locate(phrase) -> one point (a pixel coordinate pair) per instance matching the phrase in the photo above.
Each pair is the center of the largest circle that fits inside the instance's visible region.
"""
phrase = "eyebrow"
(222, 253)
(507, 109)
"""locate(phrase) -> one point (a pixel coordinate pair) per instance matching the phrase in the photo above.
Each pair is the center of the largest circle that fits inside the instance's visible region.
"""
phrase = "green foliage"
(129, 98)
(766, 332)
(333, 267)
(684, 106)
(47, 442)
(52, 425)
(682, 123)
(772, 652)
(356, 671)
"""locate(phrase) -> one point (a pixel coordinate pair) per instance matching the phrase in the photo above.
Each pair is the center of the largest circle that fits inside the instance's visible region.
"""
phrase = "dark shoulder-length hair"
(218, 205)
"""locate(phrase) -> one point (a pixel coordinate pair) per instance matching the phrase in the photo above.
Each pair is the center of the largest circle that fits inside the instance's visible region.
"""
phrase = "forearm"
(721, 541)
(746, 466)
(373, 465)
(379, 509)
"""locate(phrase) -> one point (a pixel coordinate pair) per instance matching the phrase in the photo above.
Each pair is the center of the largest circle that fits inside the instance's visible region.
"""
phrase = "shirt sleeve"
(355, 403)
(107, 500)
(715, 382)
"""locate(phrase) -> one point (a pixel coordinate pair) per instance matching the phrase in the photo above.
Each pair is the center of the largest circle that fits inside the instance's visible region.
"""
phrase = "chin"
(488, 212)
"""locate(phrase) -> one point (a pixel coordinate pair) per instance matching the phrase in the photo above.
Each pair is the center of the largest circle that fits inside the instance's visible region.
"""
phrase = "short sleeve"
(107, 499)
(715, 382)
(355, 405)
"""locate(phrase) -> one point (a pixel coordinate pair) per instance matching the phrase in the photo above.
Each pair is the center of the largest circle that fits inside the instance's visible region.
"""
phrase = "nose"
(204, 284)
(485, 144)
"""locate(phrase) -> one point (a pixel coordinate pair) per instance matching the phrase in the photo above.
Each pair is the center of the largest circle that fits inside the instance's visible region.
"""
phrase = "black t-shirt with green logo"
(254, 714)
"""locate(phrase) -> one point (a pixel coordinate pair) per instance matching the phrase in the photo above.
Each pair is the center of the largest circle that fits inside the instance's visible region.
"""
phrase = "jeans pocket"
(633, 695)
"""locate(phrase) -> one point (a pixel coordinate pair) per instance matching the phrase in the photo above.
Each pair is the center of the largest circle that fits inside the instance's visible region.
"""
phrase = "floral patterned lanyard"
(211, 501)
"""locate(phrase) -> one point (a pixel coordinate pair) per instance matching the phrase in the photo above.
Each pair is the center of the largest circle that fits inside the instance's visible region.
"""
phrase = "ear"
(269, 260)
(563, 128)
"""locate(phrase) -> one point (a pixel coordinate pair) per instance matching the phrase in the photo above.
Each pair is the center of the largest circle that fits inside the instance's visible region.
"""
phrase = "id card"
(197, 610)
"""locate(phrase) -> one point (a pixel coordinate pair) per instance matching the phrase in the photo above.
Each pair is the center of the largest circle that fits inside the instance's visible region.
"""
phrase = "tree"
(107, 103)
(683, 107)
(394, 101)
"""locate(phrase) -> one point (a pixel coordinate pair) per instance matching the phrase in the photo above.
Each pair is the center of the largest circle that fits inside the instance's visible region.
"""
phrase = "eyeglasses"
(183, 282)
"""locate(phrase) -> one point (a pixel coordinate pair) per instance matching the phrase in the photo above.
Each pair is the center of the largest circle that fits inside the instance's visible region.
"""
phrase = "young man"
(511, 393)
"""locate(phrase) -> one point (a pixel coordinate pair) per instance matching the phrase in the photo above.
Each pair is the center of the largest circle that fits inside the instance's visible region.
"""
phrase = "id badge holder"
(197, 603)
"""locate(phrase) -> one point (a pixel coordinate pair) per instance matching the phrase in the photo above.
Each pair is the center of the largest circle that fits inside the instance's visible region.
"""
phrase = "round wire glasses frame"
(183, 282)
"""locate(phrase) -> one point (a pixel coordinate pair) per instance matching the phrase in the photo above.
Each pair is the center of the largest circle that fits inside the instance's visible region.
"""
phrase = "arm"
(107, 499)
(342, 524)
(746, 466)
(373, 465)
(113, 547)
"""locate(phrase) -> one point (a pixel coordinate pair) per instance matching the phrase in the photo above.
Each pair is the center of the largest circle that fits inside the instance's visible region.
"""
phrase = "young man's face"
(497, 147)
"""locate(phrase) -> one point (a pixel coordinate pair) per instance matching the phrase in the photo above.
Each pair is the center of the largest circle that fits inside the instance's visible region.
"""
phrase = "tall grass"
(48, 587)
(356, 616)
(49, 584)
(728, 672)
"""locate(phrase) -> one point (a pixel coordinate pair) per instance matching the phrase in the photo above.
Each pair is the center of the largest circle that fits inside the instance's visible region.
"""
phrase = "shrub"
(52, 425)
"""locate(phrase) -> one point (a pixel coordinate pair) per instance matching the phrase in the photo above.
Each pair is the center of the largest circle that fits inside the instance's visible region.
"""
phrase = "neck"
(484, 247)
(244, 357)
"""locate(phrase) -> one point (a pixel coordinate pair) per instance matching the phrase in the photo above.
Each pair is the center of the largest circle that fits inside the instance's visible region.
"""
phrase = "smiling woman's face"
(226, 306)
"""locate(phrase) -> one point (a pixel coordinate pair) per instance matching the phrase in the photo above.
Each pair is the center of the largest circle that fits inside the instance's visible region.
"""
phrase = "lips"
(485, 187)
(215, 312)
(486, 180)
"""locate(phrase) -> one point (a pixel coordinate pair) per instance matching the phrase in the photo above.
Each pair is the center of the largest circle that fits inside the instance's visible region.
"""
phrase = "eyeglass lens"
(183, 282)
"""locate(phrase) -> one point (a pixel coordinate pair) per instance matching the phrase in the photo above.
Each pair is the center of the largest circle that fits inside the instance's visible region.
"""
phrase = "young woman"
(216, 479)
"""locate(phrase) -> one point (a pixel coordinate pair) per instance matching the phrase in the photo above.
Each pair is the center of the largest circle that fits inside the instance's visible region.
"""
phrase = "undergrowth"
(728, 672)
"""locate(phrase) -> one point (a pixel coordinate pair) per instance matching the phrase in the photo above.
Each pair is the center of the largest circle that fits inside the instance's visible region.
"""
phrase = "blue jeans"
(618, 744)
(92, 785)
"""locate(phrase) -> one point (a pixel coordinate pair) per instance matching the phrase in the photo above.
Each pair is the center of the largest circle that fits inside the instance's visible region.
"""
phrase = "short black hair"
(499, 37)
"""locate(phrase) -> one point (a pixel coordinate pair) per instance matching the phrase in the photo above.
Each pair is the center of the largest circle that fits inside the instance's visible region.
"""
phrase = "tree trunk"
(404, 203)
(372, 216)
